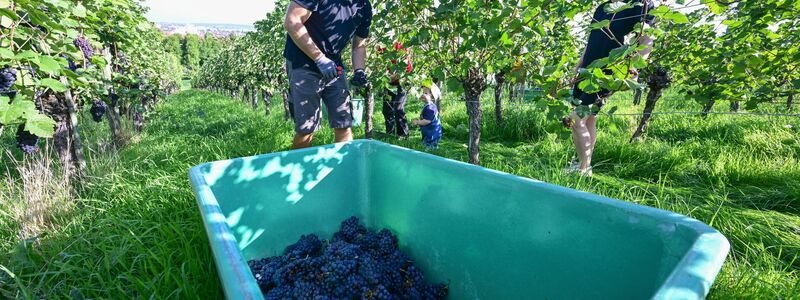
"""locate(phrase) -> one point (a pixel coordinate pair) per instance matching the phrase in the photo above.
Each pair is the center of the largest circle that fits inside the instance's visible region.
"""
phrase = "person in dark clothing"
(394, 110)
(601, 42)
(394, 96)
(317, 34)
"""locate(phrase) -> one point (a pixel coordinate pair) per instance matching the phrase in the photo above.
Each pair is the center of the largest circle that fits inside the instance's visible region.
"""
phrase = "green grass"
(186, 85)
(135, 231)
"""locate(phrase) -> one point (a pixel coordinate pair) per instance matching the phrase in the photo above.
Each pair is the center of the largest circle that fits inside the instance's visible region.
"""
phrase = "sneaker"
(575, 168)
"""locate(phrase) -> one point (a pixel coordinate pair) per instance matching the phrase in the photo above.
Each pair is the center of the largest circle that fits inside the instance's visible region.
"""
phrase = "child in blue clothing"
(429, 122)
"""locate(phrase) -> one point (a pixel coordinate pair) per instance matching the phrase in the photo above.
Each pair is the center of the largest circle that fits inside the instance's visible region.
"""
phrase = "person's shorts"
(597, 99)
(307, 91)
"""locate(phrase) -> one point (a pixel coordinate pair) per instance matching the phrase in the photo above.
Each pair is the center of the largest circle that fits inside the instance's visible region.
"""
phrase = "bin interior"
(488, 234)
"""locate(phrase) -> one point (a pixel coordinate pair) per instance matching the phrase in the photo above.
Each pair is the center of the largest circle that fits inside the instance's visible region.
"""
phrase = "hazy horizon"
(233, 12)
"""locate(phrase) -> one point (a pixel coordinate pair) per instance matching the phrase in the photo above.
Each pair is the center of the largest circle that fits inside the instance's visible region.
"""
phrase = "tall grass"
(134, 230)
(31, 201)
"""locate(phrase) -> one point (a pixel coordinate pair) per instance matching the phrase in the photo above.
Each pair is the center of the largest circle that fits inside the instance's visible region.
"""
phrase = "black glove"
(360, 78)
(327, 68)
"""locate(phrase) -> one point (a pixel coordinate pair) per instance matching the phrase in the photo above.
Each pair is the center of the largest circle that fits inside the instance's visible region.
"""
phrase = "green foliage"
(254, 60)
(37, 38)
(209, 47)
(174, 44)
(191, 52)
(24, 112)
(754, 60)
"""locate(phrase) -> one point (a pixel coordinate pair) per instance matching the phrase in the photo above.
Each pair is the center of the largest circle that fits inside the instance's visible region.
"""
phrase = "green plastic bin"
(358, 111)
(533, 94)
(490, 235)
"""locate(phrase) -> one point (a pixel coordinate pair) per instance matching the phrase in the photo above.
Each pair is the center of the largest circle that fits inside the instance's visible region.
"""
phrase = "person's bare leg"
(582, 138)
(302, 140)
(343, 135)
(591, 125)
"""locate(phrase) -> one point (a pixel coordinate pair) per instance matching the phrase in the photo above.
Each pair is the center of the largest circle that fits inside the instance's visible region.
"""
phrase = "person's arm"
(359, 46)
(427, 117)
(359, 53)
(422, 122)
(575, 75)
(647, 41)
(296, 16)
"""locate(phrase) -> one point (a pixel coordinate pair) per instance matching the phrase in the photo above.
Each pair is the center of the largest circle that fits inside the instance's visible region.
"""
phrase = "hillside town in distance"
(217, 30)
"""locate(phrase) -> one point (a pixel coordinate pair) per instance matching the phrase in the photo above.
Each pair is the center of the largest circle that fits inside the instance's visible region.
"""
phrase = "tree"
(174, 44)
(191, 52)
(472, 35)
(209, 47)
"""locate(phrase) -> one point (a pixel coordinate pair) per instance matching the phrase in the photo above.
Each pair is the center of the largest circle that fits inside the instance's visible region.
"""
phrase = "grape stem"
(13, 27)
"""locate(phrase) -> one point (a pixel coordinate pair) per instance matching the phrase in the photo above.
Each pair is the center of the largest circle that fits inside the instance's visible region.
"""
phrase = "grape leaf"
(40, 125)
(615, 7)
(601, 24)
(6, 53)
(53, 84)
(12, 113)
(79, 11)
(48, 65)
(666, 12)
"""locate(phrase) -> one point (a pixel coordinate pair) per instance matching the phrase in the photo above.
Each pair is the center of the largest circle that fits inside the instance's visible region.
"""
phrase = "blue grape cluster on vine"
(85, 47)
(26, 141)
(98, 110)
(8, 76)
(70, 63)
(355, 264)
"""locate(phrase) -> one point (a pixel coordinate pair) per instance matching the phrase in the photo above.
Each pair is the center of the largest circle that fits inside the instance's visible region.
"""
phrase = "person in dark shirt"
(601, 42)
(394, 97)
(318, 31)
(394, 110)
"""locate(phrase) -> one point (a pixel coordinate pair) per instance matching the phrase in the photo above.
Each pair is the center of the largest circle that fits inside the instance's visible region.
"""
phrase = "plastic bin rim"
(683, 281)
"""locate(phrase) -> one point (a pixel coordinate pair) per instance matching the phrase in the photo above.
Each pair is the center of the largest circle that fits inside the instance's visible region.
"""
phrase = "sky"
(240, 12)
(246, 12)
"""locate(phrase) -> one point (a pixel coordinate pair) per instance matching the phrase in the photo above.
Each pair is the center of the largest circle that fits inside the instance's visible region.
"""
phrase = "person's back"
(601, 41)
(332, 27)
(431, 133)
